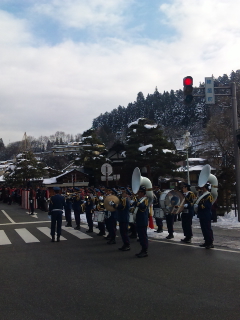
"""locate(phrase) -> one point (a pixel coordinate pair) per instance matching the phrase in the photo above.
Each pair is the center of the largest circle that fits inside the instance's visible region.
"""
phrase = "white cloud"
(84, 13)
(63, 87)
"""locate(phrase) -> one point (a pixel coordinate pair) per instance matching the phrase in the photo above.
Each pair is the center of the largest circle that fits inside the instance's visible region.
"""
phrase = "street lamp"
(186, 145)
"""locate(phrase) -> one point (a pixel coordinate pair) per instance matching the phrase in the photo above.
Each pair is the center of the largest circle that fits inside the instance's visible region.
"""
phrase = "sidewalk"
(226, 232)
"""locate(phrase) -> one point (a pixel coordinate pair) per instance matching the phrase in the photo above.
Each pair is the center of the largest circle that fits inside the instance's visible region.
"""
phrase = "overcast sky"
(64, 62)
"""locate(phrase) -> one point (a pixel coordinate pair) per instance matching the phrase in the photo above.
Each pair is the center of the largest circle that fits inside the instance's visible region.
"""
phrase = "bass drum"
(169, 199)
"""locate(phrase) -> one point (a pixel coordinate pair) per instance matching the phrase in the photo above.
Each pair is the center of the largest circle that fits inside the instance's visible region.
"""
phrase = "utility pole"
(236, 149)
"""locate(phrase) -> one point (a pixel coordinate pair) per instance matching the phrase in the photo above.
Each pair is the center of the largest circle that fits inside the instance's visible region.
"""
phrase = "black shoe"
(77, 228)
(143, 254)
(53, 239)
(32, 214)
(58, 239)
(89, 231)
(111, 242)
(107, 237)
(186, 240)
(124, 248)
(203, 245)
(68, 225)
(210, 246)
(159, 230)
(170, 236)
(101, 234)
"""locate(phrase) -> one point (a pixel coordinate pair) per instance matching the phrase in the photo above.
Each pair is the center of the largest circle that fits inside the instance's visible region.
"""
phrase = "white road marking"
(193, 246)
(26, 235)
(96, 230)
(10, 219)
(7, 224)
(76, 233)
(3, 238)
(32, 215)
(46, 231)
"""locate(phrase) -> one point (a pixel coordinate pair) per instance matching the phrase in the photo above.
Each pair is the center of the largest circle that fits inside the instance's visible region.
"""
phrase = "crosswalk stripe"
(76, 233)
(3, 238)
(26, 235)
(46, 231)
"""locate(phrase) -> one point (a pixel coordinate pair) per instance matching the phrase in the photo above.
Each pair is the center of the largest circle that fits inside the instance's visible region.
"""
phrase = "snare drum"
(132, 217)
(158, 213)
(99, 216)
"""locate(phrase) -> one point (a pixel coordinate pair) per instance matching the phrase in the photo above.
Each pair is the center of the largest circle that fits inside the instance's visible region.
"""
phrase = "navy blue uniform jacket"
(142, 213)
(204, 207)
(123, 210)
(56, 202)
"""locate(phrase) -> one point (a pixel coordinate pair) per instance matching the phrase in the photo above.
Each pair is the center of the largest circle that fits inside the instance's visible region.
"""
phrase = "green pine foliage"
(26, 168)
(94, 153)
(147, 147)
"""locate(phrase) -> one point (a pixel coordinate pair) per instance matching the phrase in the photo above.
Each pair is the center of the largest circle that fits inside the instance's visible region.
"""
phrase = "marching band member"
(56, 205)
(89, 211)
(77, 208)
(68, 212)
(203, 206)
(111, 220)
(101, 225)
(123, 219)
(187, 213)
(156, 205)
(170, 217)
(142, 213)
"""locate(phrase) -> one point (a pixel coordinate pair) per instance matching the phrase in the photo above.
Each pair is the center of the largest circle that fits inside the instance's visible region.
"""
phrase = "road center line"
(10, 224)
(10, 219)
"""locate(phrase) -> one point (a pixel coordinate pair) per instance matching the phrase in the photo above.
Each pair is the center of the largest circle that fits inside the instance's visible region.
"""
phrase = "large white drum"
(98, 216)
(158, 213)
(169, 199)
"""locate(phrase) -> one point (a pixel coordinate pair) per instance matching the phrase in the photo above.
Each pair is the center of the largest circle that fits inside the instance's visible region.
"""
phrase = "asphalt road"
(87, 279)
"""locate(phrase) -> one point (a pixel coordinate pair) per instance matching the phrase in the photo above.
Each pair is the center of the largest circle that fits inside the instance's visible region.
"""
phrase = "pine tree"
(26, 168)
(93, 155)
(147, 147)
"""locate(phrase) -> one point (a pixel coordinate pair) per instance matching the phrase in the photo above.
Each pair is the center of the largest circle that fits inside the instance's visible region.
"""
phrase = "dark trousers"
(77, 217)
(159, 223)
(101, 227)
(56, 218)
(187, 225)
(31, 206)
(133, 228)
(206, 230)
(143, 237)
(170, 222)
(112, 228)
(89, 220)
(123, 228)
(68, 216)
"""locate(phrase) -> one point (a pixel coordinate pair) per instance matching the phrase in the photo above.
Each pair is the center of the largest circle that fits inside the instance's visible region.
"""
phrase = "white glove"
(186, 205)
(111, 203)
(195, 206)
(131, 201)
(49, 217)
(84, 201)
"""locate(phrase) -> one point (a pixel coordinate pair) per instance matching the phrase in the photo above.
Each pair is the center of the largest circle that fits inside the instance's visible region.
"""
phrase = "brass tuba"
(206, 176)
(138, 180)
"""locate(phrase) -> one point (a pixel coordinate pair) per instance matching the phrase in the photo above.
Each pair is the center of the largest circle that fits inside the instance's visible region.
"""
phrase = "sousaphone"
(108, 199)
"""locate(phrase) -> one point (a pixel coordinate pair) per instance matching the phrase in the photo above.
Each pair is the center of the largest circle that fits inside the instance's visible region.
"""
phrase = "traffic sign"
(106, 169)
